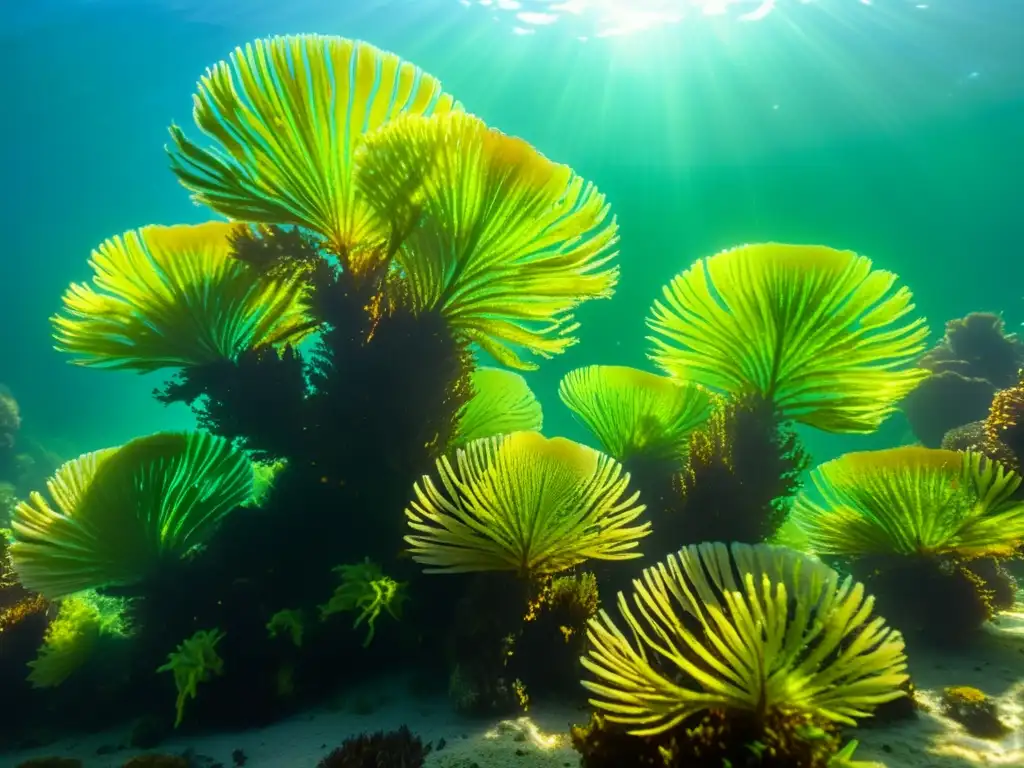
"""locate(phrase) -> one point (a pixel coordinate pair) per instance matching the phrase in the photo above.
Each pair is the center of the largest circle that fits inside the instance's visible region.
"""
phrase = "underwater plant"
(366, 591)
(82, 619)
(773, 641)
(384, 287)
(545, 655)
(819, 333)
(635, 413)
(925, 526)
(165, 297)
(741, 474)
(287, 114)
(114, 515)
(645, 421)
(290, 622)
(502, 402)
(523, 503)
(499, 240)
(912, 501)
(264, 475)
(193, 662)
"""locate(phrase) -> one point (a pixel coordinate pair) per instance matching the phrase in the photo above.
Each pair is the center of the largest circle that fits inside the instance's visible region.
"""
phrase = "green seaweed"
(365, 589)
(192, 663)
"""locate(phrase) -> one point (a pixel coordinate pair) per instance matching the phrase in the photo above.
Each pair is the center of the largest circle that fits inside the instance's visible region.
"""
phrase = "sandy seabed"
(539, 739)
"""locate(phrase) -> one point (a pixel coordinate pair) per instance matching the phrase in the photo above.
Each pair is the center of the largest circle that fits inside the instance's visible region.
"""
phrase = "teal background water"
(888, 128)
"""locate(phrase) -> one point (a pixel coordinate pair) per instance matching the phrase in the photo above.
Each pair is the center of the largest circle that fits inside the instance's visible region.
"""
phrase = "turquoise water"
(891, 128)
(886, 127)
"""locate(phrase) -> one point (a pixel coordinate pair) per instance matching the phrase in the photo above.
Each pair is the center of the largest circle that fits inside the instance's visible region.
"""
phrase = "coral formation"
(397, 749)
(157, 761)
(974, 359)
(975, 711)
(1004, 426)
(978, 346)
(945, 401)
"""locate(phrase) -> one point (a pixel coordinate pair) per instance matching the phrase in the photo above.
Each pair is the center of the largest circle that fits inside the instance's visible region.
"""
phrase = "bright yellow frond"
(523, 503)
(287, 114)
(114, 514)
(502, 403)
(633, 412)
(909, 501)
(166, 297)
(817, 331)
(748, 629)
(499, 239)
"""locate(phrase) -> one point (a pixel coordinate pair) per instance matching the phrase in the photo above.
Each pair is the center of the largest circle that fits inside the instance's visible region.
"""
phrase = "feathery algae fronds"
(502, 402)
(193, 662)
(173, 297)
(113, 515)
(818, 332)
(500, 240)
(632, 412)
(523, 503)
(287, 114)
(912, 501)
(748, 629)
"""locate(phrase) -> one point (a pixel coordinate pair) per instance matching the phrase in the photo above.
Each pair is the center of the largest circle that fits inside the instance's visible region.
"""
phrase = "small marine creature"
(194, 661)
(523, 503)
(366, 591)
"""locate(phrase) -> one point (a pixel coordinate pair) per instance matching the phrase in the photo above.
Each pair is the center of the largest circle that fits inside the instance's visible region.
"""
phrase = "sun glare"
(614, 18)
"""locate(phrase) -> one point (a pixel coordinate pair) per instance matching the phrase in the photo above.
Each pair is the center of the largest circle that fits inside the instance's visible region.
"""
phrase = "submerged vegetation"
(332, 340)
